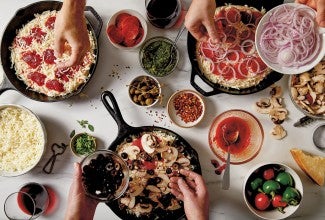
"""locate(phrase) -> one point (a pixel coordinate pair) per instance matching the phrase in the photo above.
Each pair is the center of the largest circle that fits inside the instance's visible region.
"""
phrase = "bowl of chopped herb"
(83, 144)
(159, 56)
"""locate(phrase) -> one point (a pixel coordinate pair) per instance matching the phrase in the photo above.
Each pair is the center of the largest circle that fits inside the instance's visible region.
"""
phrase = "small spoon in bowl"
(229, 138)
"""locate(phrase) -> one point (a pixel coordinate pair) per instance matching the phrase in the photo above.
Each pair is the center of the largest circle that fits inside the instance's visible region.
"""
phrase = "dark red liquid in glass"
(163, 13)
(37, 194)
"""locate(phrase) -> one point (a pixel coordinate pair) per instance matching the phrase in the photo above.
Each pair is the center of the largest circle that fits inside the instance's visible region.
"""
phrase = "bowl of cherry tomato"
(272, 190)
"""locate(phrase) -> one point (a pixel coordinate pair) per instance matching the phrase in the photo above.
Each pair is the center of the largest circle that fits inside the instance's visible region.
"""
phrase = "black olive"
(169, 170)
(128, 139)
(176, 166)
(109, 166)
(124, 155)
(151, 172)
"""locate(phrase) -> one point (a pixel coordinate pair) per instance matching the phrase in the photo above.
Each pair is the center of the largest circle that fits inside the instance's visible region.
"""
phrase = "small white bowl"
(177, 115)
(255, 172)
(278, 67)
(112, 21)
(135, 89)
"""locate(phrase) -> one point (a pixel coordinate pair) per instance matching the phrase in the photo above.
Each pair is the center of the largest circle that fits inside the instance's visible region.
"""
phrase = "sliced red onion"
(290, 37)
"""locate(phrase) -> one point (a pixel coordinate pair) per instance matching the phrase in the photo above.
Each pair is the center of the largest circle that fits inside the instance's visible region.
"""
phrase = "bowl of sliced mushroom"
(307, 91)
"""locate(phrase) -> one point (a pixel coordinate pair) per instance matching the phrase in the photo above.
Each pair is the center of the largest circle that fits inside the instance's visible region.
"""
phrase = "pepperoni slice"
(28, 40)
(64, 74)
(54, 85)
(37, 78)
(48, 56)
(120, 18)
(131, 20)
(114, 34)
(256, 17)
(241, 70)
(140, 35)
(38, 34)
(233, 15)
(50, 22)
(32, 58)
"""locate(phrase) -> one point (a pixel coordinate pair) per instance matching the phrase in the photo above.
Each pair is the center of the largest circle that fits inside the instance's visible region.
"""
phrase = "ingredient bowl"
(186, 108)
(247, 129)
(307, 91)
(126, 29)
(290, 47)
(145, 91)
(159, 56)
(272, 190)
(82, 144)
(105, 176)
(24, 142)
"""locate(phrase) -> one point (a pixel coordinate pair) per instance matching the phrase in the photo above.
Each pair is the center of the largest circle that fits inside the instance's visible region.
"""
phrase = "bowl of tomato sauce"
(238, 131)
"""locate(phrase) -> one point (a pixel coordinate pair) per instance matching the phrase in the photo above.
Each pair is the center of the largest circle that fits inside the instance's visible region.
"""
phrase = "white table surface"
(115, 70)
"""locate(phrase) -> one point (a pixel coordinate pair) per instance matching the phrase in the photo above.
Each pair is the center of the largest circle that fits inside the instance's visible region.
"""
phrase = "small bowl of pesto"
(83, 144)
(159, 56)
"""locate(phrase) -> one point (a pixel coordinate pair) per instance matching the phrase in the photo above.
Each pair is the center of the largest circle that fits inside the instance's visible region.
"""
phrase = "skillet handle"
(114, 110)
(199, 89)
(98, 27)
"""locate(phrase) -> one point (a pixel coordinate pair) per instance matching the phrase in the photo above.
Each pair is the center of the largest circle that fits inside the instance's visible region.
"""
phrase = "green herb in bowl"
(83, 144)
(158, 56)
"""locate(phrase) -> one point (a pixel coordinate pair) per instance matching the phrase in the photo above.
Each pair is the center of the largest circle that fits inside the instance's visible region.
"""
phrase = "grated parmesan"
(22, 140)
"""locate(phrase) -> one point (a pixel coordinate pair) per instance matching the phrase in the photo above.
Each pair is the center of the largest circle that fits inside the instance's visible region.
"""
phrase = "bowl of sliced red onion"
(289, 40)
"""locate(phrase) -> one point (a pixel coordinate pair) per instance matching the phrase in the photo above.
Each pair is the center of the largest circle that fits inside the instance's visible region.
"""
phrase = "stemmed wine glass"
(29, 202)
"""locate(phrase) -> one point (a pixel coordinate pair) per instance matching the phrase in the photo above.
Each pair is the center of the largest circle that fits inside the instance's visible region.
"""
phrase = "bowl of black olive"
(159, 56)
(105, 175)
(144, 91)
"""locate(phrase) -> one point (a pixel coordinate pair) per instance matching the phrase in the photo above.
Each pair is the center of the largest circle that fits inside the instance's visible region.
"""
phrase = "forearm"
(74, 6)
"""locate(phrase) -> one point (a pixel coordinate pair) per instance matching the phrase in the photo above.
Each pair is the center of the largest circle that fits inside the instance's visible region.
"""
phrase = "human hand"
(193, 192)
(199, 19)
(319, 6)
(70, 26)
(80, 206)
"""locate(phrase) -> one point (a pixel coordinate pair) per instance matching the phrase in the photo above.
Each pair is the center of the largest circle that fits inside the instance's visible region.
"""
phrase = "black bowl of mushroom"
(145, 91)
(105, 175)
(307, 91)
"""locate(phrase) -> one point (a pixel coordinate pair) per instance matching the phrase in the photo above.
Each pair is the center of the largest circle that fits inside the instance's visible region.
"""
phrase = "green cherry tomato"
(256, 183)
(262, 201)
(284, 178)
(271, 187)
(291, 196)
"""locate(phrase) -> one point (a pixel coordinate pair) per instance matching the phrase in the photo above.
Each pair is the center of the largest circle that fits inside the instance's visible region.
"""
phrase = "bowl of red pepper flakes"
(186, 108)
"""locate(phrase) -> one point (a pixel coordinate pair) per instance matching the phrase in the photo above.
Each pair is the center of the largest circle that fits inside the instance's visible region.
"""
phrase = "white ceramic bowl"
(135, 89)
(270, 213)
(318, 55)
(42, 145)
(112, 21)
(184, 115)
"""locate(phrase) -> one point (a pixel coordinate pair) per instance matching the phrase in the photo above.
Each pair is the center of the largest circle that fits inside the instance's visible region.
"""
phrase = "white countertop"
(114, 71)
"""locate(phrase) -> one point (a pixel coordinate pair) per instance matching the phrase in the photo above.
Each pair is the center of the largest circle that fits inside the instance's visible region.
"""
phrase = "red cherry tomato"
(277, 202)
(262, 201)
(268, 174)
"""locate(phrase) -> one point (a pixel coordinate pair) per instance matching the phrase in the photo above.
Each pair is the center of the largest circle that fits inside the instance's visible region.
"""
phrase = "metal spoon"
(229, 139)
(173, 46)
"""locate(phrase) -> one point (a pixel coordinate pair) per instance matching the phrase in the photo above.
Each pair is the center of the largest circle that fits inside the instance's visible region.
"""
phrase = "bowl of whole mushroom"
(307, 91)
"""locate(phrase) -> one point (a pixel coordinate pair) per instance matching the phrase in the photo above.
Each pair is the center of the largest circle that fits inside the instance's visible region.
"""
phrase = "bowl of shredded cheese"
(22, 140)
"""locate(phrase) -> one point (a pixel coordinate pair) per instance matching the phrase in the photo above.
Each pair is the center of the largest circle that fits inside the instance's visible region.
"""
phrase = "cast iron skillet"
(124, 131)
(217, 88)
(23, 16)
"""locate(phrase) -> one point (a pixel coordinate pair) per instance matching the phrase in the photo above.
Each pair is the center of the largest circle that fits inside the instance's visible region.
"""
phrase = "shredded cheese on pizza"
(32, 56)
(233, 62)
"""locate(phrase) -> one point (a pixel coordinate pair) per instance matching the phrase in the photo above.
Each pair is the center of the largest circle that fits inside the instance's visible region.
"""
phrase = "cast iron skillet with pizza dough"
(270, 78)
(22, 17)
(126, 131)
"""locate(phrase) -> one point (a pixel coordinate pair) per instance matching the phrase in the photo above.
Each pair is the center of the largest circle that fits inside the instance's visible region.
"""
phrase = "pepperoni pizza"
(32, 56)
(233, 61)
